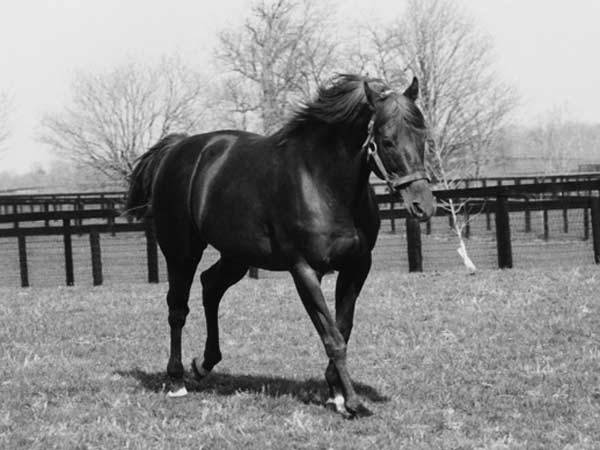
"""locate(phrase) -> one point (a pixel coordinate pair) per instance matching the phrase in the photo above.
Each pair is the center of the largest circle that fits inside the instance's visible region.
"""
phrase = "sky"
(547, 49)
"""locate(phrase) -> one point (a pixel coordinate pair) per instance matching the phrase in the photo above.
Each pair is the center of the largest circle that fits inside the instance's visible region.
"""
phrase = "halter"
(370, 146)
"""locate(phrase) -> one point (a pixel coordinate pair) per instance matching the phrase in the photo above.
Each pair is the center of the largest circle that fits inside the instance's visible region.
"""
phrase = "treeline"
(276, 59)
(60, 176)
(557, 143)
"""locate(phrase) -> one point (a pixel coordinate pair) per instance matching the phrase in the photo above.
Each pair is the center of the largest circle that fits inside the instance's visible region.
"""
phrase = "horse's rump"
(139, 196)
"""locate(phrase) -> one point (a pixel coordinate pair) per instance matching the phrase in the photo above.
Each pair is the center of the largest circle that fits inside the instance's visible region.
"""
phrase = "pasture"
(501, 359)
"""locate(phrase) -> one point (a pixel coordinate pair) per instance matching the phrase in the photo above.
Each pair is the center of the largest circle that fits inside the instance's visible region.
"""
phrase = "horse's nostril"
(418, 211)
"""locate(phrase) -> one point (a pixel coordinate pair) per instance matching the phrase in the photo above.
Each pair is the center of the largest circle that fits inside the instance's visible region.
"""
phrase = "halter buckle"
(371, 149)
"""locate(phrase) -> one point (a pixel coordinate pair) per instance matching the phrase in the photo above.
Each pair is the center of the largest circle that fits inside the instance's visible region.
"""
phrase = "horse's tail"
(139, 195)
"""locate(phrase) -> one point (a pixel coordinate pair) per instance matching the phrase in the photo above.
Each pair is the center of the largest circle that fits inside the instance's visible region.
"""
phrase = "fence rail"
(499, 201)
(17, 203)
(535, 178)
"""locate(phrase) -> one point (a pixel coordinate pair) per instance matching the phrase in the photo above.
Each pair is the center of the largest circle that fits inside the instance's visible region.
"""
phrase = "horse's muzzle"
(418, 199)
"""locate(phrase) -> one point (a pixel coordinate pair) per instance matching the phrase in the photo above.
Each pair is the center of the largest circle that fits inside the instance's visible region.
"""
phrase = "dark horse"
(299, 200)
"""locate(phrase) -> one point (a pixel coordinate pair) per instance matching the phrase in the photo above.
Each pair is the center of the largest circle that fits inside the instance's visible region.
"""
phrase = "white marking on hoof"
(181, 392)
(337, 401)
(199, 369)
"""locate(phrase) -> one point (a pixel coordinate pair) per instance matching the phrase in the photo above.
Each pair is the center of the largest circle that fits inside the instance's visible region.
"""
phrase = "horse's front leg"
(308, 285)
(348, 286)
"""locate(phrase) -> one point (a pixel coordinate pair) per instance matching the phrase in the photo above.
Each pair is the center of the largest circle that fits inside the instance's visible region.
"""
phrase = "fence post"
(595, 208)
(23, 261)
(428, 226)
(546, 231)
(96, 258)
(78, 208)
(392, 216)
(586, 224)
(526, 218)
(488, 223)
(565, 216)
(503, 234)
(68, 252)
(110, 221)
(151, 253)
(15, 211)
(46, 210)
(413, 242)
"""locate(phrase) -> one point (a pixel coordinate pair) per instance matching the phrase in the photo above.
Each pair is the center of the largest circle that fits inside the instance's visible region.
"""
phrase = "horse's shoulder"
(366, 216)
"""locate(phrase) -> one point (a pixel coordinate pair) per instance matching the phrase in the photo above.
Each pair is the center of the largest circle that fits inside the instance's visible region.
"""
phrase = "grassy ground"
(502, 359)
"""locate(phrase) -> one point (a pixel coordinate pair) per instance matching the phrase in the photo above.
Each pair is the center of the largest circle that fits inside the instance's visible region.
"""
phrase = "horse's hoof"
(334, 409)
(336, 404)
(176, 389)
(198, 370)
(181, 392)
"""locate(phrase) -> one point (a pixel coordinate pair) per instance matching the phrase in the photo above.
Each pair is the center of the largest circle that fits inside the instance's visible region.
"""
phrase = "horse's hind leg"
(181, 274)
(215, 281)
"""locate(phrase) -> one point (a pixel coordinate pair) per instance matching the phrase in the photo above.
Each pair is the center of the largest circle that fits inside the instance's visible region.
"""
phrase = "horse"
(298, 200)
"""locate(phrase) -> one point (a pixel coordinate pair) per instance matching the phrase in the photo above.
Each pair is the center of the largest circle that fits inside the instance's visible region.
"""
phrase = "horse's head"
(396, 147)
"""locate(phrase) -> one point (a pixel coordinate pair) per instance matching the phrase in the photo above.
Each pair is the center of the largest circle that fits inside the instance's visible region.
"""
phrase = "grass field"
(502, 359)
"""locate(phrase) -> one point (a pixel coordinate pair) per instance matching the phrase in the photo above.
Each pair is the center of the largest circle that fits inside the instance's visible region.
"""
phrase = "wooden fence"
(498, 201)
(76, 201)
(539, 178)
(49, 203)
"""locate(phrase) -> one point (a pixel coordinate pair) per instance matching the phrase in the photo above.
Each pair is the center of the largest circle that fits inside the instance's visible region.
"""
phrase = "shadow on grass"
(311, 391)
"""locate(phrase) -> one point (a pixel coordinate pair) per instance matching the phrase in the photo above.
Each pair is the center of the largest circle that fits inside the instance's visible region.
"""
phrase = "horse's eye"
(388, 143)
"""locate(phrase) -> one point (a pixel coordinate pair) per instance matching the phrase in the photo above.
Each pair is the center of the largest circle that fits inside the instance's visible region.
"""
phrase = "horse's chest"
(325, 227)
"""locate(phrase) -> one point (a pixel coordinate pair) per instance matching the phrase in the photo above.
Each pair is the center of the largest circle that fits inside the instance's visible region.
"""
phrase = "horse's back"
(175, 191)
(209, 185)
(232, 194)
(195, 153)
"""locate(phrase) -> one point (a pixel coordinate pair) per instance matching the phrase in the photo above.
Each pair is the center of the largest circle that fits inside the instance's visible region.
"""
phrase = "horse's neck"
(339, 162)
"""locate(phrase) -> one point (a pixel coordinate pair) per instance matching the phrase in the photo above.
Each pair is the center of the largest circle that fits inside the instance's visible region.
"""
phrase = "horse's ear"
(372, 96)
(412, 92)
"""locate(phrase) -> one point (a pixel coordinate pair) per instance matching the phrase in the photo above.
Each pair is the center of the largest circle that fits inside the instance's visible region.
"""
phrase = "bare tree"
(238, 104)
(115, 116)
(464, 103)
(281, 54)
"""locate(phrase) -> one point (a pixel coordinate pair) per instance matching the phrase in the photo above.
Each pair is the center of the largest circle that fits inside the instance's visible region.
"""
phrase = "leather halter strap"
(370, 147)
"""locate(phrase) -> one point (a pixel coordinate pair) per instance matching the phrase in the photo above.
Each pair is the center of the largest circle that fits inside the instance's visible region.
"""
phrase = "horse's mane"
(343, 101)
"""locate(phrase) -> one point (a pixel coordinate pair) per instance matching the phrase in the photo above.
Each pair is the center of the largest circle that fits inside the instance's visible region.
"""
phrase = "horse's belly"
(248, 243)
(326, 253)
